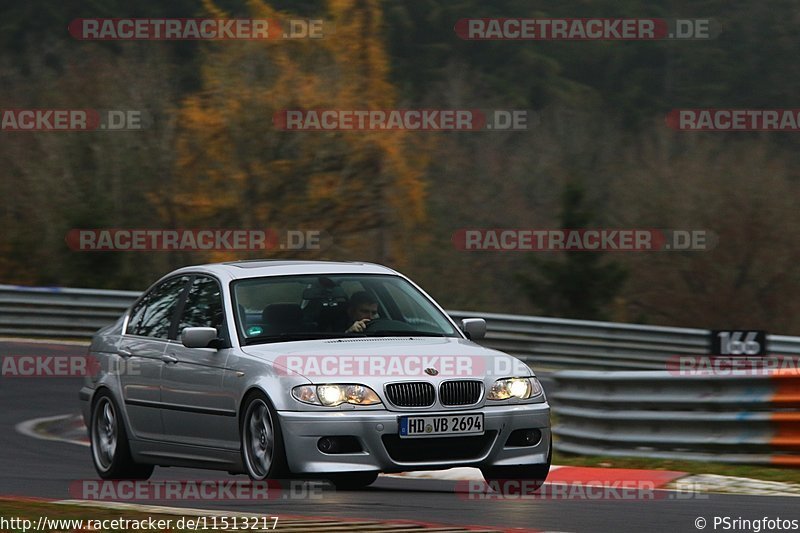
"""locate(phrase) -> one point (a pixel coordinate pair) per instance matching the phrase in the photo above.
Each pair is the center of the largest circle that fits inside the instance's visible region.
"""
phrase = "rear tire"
(111, 452)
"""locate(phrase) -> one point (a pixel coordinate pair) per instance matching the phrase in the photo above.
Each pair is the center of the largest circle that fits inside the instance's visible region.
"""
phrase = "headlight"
(333, 395)
(330, 395)
(522, 388)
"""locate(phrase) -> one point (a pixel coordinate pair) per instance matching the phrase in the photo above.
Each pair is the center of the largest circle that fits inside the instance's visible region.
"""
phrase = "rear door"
(143, 345)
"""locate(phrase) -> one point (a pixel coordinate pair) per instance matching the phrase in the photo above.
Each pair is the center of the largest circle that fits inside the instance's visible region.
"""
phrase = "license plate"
(425, 426)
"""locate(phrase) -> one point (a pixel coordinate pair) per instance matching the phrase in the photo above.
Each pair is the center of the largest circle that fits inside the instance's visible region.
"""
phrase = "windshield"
(286, 308)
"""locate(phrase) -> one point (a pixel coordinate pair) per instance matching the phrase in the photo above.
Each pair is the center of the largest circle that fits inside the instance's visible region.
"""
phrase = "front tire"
(111, 451)
(263, 453)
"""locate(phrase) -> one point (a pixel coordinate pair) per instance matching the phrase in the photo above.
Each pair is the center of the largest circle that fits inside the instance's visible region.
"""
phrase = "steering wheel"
(387, 324)
(371, 324)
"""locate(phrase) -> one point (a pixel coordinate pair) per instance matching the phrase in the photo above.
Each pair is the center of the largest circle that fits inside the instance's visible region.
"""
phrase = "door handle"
(124, 352)
(169, 358)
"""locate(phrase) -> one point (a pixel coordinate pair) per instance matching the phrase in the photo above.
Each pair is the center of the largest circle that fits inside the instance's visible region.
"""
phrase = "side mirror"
(198, 337)
(475, 328)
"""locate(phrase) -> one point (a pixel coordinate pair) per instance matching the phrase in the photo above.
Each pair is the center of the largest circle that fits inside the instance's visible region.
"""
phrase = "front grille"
(460, 392)
(438, 448)
(411, 394)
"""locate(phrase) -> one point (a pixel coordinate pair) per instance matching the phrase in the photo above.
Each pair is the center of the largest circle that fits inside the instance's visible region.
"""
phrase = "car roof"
(274, 267)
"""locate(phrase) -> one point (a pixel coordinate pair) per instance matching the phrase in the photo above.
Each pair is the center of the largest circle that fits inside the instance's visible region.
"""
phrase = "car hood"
(375, 360)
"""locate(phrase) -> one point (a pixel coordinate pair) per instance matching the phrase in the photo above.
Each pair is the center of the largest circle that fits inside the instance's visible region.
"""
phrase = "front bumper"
(376, 430)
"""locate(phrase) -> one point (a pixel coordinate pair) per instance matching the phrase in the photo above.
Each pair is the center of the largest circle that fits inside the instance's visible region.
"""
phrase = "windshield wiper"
(288, 337)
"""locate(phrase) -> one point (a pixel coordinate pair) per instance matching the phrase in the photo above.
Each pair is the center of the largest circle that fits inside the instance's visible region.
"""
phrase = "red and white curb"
(740, 485)
(70, 429)
(659, 479)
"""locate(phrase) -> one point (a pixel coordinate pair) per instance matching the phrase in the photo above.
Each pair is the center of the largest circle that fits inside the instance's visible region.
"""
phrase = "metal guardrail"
(42, 312)
(586, 344)
(547, 343)
(746, 417)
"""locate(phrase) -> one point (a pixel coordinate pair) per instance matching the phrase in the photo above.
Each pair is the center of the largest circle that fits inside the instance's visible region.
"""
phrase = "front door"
(196, 409)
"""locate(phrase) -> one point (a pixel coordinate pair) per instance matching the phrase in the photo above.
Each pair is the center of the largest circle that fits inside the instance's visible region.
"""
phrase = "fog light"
(522, 438)
(533, 436)
(326, 445)
(339, 444)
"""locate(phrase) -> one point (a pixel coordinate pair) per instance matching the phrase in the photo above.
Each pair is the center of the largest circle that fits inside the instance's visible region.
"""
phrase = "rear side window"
(153, 315)
(203, 307)
(136, 316)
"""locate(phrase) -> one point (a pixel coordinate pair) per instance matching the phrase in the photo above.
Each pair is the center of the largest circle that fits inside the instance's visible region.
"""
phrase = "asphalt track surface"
(40, 468)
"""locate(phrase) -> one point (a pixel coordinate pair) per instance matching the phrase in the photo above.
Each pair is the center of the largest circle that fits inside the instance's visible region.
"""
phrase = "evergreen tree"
(578, 284)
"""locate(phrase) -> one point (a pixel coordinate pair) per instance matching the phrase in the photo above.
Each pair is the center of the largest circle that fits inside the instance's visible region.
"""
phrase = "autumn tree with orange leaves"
(236, 169)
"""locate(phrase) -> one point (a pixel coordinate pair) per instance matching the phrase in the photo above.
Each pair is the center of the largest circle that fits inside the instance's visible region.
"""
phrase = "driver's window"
(203, 307)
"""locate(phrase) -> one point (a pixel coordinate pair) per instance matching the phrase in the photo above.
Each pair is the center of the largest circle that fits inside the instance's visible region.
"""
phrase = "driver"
(362, 308)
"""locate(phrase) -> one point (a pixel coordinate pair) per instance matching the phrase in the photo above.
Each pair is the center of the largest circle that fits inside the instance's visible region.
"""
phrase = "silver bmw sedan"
(280, 369)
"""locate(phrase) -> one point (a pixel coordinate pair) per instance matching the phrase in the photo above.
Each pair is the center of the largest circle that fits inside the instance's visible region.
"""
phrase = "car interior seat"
(282, 318)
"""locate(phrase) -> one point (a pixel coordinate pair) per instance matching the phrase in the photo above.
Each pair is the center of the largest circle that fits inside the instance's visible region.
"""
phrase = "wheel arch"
(104, 388)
